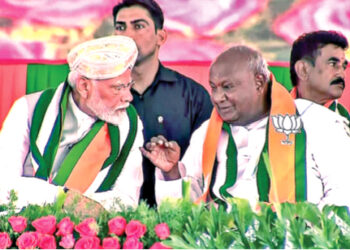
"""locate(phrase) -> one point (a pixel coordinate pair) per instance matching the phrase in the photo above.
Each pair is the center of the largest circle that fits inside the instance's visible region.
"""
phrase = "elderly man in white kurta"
(82, 136)
(258, 144)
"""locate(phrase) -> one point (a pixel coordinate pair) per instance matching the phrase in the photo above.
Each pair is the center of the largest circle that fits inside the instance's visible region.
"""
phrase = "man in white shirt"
(83, 136)
(317, 68)
(259, 143)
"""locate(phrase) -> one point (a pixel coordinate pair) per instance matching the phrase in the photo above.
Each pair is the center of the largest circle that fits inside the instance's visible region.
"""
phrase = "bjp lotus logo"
(288, 124)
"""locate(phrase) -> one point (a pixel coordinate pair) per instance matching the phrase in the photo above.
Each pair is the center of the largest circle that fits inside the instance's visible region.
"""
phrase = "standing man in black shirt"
(168, 103)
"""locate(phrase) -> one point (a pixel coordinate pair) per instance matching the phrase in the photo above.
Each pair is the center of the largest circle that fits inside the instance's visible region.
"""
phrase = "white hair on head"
(256, 62)
(259, 65)
(73, 77)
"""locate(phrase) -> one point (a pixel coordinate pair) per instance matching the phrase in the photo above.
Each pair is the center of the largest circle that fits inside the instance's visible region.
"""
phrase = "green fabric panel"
(340, 109)
(282, 76)
(52, 145)
(75, 153)
(39, 111)
(118, 165)
(38, 117)
(333, 106)
(300, 166)
(343, 111)
(43, 76)
(231, 163)
(213, 179)
(114, 135)
(263, 179)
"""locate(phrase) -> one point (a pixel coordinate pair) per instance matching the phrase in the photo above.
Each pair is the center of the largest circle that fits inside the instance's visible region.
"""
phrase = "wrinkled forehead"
(224, 67)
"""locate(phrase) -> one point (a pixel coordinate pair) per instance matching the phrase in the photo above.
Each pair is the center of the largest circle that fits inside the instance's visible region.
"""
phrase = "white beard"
(115, 116)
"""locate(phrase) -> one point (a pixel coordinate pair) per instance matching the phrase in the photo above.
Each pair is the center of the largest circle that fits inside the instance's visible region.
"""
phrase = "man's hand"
(164, 155)
(82, 205)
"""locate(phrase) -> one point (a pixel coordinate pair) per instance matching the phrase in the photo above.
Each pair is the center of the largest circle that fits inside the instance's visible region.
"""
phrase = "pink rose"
(117, 225)
(65, 227)
(110, 243)
(67, 241)
(135, 229)
(18, 223)
(45, 225)
(87, 227)
(5, 240)
(132, 243)
(27, 240)
(47, 241)
(162, 231)
(159, 245)
(88, 243)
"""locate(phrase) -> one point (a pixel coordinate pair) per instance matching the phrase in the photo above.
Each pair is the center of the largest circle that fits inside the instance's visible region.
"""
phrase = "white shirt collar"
(254, 125)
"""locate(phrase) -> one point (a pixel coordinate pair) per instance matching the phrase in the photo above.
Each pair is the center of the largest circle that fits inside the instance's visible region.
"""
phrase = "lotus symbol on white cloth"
(287, 124)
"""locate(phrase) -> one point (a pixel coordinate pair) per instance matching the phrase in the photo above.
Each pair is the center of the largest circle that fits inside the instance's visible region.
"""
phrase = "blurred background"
(36, 35)
(198, 29)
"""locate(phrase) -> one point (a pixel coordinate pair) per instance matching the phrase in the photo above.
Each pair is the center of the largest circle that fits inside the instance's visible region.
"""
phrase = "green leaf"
(300, 225)
(243, 219)
(186, 189)
(269, 232)
(308, 212)
(60, 200)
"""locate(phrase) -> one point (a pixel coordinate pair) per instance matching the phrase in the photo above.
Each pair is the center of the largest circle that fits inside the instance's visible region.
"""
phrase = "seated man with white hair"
(259, 144)
(82, 136)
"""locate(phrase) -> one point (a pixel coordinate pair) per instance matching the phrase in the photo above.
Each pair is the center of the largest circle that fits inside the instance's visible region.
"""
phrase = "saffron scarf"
(98, 149)
(283, 178)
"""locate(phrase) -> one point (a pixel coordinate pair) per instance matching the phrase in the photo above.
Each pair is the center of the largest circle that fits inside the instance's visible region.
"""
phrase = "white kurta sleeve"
(190, 168)
(14, 147)
(171, 188)
(126, 189)
(14, 140)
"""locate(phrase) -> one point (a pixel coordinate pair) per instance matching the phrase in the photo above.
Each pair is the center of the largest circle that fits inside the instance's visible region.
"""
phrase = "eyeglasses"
(117, 88)
(122, 86)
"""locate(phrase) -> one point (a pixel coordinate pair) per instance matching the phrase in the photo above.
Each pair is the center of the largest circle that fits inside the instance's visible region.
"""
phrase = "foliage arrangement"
(177, 224)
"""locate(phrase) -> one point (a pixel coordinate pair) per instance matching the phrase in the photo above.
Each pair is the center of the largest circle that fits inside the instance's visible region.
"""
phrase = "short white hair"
(73, 77)
(255, 60)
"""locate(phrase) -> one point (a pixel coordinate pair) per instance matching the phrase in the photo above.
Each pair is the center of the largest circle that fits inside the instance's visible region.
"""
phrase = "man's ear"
(83, 87)
(260, 82)
(162, 36)
(302, 69)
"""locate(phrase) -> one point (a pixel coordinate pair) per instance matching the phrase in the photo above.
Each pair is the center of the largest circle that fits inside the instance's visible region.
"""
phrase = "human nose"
(129, 32)
(342, 72)
(218, 95)
(126, 95)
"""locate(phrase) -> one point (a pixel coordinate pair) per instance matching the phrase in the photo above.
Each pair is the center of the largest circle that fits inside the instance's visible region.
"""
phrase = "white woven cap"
(103, 58)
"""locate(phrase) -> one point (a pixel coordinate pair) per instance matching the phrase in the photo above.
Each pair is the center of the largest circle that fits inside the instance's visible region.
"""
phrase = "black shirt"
(173, 106)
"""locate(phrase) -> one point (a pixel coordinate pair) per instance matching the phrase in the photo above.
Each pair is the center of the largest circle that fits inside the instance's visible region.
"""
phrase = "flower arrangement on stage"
(49, 234)
(177, 224)
(50, 227)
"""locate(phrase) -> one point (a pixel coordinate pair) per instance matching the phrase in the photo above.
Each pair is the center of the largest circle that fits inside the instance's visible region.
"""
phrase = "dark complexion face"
(326, 80)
